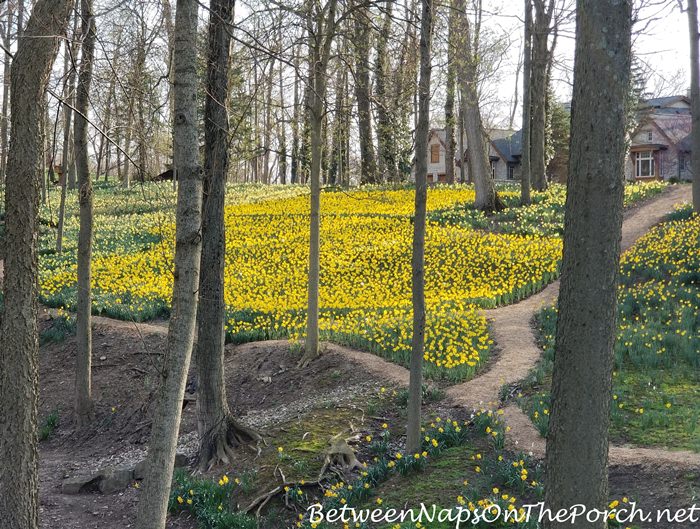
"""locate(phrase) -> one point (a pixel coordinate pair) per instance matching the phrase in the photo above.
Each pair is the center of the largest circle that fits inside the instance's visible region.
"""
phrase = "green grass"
(49, 426)
(544, 217)
(656, 379)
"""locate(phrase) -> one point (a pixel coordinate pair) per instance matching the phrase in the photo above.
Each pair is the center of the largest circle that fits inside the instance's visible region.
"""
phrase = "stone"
(181, 461)
(77, 484)
(115, 479)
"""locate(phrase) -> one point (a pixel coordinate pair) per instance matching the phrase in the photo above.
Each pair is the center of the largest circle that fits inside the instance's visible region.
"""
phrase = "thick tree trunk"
(153, 503)
(19, 338)
(527, 105)
(219, 433)
(450, 100)
(320, 42)
(538, 92)
(577, 444)
(695, 100)
(361, 42)
(486, 197)
(413, 433)
(83, 381)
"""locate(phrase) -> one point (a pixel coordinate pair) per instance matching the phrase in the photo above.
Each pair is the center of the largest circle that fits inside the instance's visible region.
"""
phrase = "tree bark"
(19, 339)
(320, 40)
(7, 61)
(577, 444)
(83, 381)
(538, 92)
(153, 503)
(486, 197)
(450, 99)
(695, 100)
(219, 433)
(386, 146)
(527, 105)
(413, 433)
(361, 41)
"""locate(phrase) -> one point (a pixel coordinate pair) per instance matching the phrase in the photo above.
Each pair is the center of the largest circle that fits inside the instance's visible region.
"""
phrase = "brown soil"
(265, 389)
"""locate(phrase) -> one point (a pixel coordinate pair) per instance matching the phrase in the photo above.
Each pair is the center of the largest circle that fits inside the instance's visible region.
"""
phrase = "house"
(660, 144)
(504, 155)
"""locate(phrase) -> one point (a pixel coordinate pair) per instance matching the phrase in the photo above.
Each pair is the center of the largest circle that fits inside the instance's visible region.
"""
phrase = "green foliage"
(208, 501)
(543, 218)
(49, 426)
(656, 381)
(61, 327)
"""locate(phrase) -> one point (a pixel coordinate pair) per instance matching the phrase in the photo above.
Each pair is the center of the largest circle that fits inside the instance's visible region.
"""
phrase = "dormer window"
(649, 135)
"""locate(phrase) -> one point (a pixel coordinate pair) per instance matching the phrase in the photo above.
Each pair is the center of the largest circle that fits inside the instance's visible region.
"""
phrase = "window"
(511, 175)
(435, 153)
(645, 164)
(650, 136)
(493, 170)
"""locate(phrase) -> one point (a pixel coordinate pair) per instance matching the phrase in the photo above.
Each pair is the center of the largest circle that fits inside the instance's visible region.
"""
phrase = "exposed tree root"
(217, 447)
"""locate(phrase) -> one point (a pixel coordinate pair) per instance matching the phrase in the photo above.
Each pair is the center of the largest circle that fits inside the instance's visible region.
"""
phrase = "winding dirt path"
(517, 352)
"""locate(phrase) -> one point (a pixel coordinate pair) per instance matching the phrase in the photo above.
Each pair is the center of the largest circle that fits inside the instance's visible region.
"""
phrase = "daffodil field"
(657, 354)
(366, 240)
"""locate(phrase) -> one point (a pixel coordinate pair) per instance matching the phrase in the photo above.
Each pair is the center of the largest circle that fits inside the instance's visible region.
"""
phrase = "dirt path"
(511, 325)
(518, 351)
(512, 331)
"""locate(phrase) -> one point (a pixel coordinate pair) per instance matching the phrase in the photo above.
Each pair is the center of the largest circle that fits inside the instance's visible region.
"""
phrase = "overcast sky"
(663, 47)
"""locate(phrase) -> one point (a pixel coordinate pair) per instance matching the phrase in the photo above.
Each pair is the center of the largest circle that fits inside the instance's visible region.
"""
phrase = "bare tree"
(218, 431)
(540, 60)
(362, 44)
(413, 433)
(83, 381)
(694, 100)
(577, 444)
(19, 337)
(450, 143)
(321, 20)
(527, 105)
(467, 42)
(153, 503)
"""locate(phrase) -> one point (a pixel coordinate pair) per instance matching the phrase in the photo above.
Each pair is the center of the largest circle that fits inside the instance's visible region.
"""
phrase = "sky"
(663, 48)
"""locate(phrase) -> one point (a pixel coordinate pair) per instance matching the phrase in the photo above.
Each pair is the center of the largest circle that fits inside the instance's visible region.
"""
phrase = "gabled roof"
(674, 126)
(511, 147)
(664, 102)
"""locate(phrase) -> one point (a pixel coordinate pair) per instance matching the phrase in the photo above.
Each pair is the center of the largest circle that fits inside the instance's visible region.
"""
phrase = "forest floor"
(345, 391)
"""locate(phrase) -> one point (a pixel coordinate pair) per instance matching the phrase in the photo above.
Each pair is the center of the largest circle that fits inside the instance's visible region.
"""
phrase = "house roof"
(665, 105)
(511, 147)
(674, 126)
(663, 102)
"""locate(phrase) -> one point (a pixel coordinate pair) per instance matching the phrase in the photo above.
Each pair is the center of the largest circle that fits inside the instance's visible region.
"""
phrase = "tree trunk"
(450, 101)
(361, 41)
(153, 503)
(70, 51)
(577, 444)
(538, 92)
(19, 337)
(413, 433)
(486, 197)
(294, 177)
(386, 146)
(218, 431)
(7, 61)
(527, 105)
(282, 129)
(83, 382)
(694, 101)
(320, 42)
